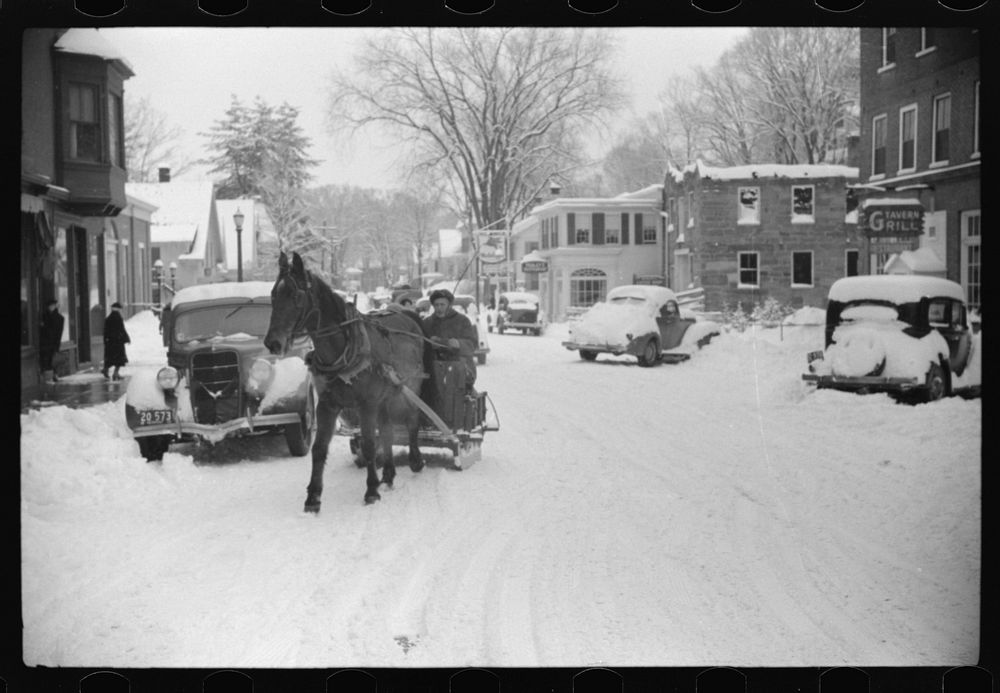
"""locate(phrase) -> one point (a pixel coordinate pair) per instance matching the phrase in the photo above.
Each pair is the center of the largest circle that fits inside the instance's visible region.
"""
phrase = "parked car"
(220, 380)
(466, 304)
(643, 321)
(902, 334)
(519, 310)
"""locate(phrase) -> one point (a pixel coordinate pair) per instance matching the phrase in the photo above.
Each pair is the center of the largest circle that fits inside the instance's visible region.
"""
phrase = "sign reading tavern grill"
(897, 218)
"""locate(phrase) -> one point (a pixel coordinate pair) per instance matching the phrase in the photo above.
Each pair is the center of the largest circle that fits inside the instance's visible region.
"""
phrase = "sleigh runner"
(451, 417)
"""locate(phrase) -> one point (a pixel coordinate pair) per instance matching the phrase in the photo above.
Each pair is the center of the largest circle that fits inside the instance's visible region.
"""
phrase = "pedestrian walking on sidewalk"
(115, 339)
(50, 339)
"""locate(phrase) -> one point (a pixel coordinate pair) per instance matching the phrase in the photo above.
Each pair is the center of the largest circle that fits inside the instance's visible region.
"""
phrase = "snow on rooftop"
(891, 202)
(919, 260)
(898, 288)
(652, 193)
(209, 292)
(776, 171)
(179, 203)
(88, 41)
(172, 233)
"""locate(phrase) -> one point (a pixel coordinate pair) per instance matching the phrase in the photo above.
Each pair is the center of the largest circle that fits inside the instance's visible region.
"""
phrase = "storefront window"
(587, 287)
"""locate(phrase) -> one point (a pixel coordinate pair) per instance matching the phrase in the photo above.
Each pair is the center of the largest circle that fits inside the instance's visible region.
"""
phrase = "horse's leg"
(369, 416)
(326, 422)
(413, 428)
(386, 435)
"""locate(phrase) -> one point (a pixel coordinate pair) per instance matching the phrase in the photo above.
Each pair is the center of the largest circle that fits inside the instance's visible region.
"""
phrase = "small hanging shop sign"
(897, 218)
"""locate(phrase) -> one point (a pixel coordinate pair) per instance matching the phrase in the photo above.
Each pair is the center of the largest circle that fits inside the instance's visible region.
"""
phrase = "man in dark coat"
(50, 339)
(452, 333)
(115, 339)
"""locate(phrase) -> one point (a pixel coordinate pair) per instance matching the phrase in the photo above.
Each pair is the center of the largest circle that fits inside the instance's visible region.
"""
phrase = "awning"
(32, 204)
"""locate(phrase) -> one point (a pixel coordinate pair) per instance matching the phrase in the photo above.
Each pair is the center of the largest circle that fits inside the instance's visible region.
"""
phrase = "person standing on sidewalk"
(50, 339)
(115, 339)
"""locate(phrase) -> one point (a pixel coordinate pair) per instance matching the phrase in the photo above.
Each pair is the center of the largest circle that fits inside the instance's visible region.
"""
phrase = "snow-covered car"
(466, 304)
(520, 310)
(220, 380)
(644, 321)
(903, 334)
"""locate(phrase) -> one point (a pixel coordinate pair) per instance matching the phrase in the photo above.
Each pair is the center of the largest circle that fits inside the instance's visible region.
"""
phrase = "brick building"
(746, 233)
(920, 142)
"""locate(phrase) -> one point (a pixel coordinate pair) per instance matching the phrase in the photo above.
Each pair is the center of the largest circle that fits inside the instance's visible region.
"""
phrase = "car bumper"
(217, 431)
(615, 349)
(521, 325)
(867, 383)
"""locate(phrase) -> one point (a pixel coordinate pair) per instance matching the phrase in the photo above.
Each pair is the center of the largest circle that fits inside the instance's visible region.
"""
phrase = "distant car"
(220, 380)
(519, 310)
(467, 305)
(643, 321)
(902, 334)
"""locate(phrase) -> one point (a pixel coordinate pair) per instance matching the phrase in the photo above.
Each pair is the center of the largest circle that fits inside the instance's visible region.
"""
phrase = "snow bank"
(289, 374)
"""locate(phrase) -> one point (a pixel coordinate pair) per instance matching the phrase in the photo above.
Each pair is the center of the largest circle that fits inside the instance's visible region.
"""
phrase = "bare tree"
(493, 110)
(732, 134)
(151, 142)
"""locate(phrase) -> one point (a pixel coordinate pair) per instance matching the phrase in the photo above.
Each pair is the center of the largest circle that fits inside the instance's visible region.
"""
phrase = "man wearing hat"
(115, 339)
(452, 333)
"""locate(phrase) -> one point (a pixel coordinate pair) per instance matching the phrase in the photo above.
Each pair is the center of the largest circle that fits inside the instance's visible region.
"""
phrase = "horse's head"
(289, 303)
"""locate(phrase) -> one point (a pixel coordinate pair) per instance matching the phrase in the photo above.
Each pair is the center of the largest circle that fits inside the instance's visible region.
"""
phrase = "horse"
(358, 362)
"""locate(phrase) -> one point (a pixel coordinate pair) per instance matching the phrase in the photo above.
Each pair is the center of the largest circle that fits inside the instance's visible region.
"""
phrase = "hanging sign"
(896, 220)
(492, 245)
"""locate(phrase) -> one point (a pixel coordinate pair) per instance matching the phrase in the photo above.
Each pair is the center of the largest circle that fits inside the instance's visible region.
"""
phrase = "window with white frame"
(927, 42)
(748, 200)
(940, 145)
(802, 268)
(975, 124)
(587, 287)
(748, 263)
(878, 145)
(803, 204)
(612, 229)
(888, 46)
(649, 228)
(907, 138)
(582, 228)
(84, 125)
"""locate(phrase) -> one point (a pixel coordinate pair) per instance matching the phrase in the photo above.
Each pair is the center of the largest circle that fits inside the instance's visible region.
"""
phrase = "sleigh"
(452, 418)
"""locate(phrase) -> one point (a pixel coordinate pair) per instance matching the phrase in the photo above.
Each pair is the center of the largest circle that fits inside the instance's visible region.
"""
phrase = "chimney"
(554, 189)
(164, 174)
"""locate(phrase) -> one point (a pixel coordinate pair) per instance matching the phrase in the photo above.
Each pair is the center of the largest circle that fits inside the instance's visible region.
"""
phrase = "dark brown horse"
(359, 362)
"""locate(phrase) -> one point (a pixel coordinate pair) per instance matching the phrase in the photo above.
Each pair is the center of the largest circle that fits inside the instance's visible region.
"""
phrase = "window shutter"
(555, 232)
(598, 227)
(571, 230)
(637, 236)
(624, 228)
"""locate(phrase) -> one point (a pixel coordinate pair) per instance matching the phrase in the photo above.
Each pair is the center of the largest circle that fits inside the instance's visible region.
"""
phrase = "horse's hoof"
(416, 466)
(371, 498)
(311, 508)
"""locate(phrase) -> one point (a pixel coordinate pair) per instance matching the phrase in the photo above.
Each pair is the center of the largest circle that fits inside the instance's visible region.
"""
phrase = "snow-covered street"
(716, 511)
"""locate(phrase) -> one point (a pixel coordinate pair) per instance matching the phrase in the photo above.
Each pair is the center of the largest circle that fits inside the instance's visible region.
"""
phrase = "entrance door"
(81, 262)
(971, 259)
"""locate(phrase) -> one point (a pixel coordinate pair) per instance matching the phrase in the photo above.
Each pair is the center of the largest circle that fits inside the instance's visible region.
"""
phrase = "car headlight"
(167, 377)
(261, 372)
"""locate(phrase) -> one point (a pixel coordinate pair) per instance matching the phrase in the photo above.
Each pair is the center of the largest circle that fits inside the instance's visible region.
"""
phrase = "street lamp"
(173, 277)
(158, 278)
(238, 220)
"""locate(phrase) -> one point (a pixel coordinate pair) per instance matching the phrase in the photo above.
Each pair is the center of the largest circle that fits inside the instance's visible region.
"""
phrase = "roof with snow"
(183, 212)
(898, 288)
(211, 292)
(449, 242)
(891, 202)
(88, 41)
(650, 195)
(921, 260)
(758, 171)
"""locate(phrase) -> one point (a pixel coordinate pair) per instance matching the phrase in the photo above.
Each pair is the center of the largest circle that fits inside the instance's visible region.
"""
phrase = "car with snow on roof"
(644, 321)
(907, 335)
(520, 310)
(220, 380)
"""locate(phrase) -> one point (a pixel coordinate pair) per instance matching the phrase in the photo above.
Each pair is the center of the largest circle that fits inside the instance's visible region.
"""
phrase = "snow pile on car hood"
(605, 323)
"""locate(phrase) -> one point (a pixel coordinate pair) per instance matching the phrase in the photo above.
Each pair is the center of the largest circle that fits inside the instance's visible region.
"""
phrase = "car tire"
(650, 354)
(588, 355)
(300, 436)
(936, 385)
(153, 447)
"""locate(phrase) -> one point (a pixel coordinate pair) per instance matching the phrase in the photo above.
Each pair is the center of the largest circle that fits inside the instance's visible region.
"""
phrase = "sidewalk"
(84, 389)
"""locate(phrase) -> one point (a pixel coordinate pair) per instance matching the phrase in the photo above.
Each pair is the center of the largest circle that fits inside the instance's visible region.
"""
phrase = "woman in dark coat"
(50, 339)
(115, 339)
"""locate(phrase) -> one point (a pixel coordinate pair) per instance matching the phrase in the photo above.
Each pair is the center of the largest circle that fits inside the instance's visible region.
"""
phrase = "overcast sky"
(190, 73)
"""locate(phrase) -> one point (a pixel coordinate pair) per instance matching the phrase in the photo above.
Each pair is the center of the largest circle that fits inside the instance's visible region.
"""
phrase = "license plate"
(814, 356)
(154, 417)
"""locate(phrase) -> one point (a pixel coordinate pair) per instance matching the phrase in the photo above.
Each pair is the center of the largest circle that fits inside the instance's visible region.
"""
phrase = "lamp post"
(238, 220)
(173, 277)
(158, 278)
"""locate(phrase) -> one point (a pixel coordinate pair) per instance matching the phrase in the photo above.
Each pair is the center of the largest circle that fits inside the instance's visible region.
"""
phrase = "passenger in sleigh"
(453, 335)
